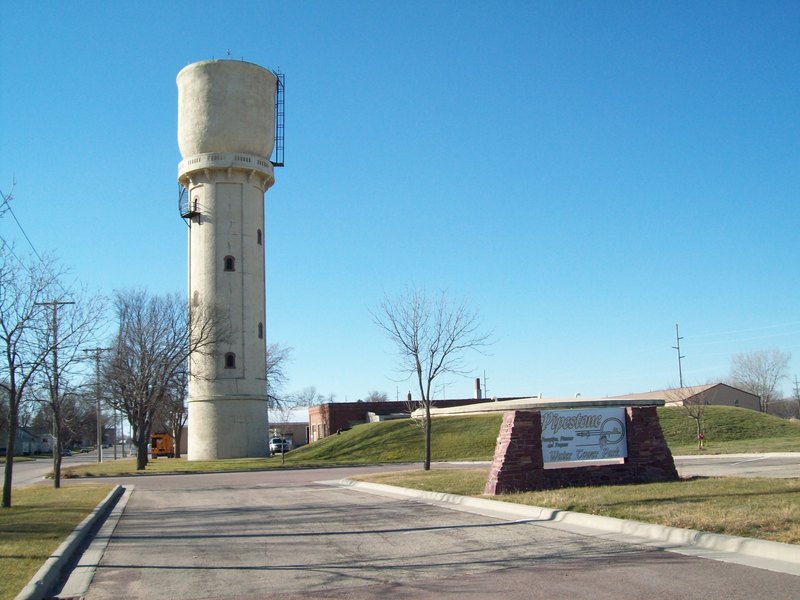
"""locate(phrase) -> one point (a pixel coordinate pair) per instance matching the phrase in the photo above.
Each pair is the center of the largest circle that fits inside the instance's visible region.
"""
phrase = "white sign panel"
(584, 435)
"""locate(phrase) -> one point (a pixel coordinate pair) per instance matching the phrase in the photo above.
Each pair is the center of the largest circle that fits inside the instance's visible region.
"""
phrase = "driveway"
(287, 534)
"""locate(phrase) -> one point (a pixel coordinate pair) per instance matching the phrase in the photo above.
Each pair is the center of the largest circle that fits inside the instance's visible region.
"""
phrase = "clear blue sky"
(587, 174)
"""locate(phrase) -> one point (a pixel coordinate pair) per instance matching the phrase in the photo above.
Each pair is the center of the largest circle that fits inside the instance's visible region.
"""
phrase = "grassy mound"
(472, 438)
(452, 438)
(728, 428)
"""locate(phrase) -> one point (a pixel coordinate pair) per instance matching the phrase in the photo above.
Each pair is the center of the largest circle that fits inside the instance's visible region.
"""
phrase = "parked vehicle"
(161, 444)
(278, 445)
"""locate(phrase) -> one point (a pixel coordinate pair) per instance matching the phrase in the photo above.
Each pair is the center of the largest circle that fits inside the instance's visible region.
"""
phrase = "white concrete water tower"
(226, 134)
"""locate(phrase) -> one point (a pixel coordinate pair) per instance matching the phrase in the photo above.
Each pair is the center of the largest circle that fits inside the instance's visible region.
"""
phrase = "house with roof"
(27, 442)
(712, 394)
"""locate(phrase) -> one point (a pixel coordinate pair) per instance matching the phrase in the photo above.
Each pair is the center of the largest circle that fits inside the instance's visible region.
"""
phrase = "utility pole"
(97, 352)
(678, 348)
(54, 391)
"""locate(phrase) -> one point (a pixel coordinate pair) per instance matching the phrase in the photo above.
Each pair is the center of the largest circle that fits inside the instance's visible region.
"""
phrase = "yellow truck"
(161, 444)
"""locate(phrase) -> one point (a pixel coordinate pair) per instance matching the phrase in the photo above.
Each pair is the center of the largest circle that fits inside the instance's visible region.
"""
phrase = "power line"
(19, 260)
(718, 333)
(6, 199)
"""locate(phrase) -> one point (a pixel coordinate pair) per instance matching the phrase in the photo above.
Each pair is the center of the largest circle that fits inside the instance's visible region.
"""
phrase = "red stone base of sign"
(519, 466)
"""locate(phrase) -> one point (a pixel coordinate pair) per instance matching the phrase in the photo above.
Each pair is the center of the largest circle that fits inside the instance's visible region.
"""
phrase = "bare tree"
(760, 373)
(376, 396)
(155, 339)
(23, 326)
(796, 396)
(694, 401)
(70, 327)
(278, 357)
(431, 336)
(173, 411)
(6, 198)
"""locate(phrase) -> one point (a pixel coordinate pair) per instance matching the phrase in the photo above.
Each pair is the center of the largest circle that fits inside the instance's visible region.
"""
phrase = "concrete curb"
(659, 536)
(49, 573)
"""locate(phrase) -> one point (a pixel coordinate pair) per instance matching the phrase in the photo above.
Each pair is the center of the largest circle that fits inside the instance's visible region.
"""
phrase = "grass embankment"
(39, 519)
(452, 438)
(455, 438)
(759, 508)
(728, 430)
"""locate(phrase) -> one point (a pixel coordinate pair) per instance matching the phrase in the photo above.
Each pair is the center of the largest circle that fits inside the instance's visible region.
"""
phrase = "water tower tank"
(226, 106)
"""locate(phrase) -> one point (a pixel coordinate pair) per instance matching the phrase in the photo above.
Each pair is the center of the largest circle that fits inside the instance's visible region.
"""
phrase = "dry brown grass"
(751, 507)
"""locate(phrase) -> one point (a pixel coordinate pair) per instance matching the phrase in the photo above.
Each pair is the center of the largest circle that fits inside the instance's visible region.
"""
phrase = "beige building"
(713, 394)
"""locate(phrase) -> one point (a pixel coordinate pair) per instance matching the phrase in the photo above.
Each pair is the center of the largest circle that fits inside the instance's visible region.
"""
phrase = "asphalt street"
(284, 534)
(775, 464)
(785, 465)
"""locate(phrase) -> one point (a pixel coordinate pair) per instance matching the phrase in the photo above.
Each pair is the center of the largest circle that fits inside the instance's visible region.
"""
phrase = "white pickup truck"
(278, 445)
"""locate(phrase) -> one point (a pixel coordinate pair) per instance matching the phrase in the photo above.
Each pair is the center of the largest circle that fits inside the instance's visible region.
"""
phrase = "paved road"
(33, 471)
(284, 534)
(783, 465)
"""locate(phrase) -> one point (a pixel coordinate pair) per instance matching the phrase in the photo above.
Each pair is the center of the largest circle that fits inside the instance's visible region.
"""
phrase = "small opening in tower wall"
(258, 237)
(229, 263)
(230, 360)
(261, 331)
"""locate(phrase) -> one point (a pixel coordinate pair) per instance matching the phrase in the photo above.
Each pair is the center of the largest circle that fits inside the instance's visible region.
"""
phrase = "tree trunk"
(141, 452)
(12, 439)
(176, 439)
(57, 462)
(427, 464)
(699, 434)
(142, 447)
(57, 453)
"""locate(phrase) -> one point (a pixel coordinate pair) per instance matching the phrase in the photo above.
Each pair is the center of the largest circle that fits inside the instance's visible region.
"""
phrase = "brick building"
(327, 419)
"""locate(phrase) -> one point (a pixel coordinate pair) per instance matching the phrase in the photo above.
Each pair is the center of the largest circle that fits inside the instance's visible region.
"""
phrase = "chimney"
(478, 393)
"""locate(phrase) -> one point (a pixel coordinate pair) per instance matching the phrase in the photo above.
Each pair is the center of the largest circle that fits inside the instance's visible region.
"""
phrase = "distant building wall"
(327, 419)
(725, 395)
(713, 394)
(296, 432)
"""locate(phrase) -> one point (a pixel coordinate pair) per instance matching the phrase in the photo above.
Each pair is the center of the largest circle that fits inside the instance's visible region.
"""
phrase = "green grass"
(39, 519)
(452, 438)
(728, 430)
(751, 507)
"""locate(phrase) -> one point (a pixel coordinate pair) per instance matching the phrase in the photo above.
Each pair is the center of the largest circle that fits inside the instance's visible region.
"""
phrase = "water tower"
(226, 135)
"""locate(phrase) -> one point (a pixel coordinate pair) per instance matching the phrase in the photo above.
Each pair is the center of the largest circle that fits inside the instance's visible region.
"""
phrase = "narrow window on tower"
(261, 331)
(230, 360)
(230, 263)
(258, 237)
